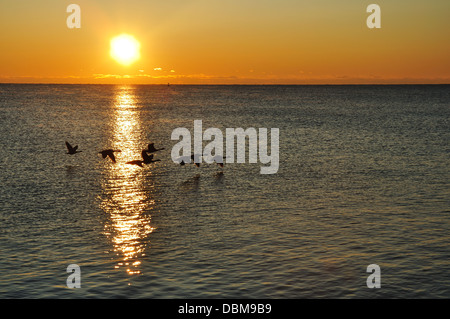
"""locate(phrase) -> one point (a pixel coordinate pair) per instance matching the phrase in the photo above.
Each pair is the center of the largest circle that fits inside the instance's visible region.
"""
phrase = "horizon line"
(224, 84)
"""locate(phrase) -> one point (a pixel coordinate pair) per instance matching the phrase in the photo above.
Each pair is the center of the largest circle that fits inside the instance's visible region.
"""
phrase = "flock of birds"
(146, 157)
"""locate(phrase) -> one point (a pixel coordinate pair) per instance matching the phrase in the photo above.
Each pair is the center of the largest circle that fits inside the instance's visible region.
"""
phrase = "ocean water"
(363, 179)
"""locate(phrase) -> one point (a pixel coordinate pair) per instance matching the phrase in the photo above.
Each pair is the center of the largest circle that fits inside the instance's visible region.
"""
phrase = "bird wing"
(69, 147)
(112, 157)
(144, 155)
(136, 162)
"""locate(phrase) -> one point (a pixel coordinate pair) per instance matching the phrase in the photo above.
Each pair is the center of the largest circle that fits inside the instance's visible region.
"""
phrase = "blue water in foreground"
(363, 179)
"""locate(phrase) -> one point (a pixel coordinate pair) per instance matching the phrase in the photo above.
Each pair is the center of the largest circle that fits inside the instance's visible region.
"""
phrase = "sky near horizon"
(227, 42)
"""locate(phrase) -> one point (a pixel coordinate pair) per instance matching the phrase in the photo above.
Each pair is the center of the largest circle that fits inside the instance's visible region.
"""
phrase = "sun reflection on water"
(127, 200)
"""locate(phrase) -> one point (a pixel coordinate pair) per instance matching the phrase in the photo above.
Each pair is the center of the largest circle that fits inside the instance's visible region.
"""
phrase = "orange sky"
(227, 42)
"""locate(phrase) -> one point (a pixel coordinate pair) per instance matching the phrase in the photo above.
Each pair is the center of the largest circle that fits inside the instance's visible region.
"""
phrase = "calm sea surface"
(363, 179)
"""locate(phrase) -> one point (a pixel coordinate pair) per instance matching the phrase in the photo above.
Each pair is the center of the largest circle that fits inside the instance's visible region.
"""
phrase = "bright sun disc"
(125, 49)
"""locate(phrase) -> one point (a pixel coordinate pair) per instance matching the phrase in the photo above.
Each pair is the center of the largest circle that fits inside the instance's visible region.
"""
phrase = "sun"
(125, 49)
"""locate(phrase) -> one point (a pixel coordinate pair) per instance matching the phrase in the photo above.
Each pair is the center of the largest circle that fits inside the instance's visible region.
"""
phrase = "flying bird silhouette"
(151, 148)
(109, 153)
(147, 159)
(72, 150)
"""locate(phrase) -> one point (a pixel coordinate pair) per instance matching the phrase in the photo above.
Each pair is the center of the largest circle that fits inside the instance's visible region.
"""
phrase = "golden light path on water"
(126, 199)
